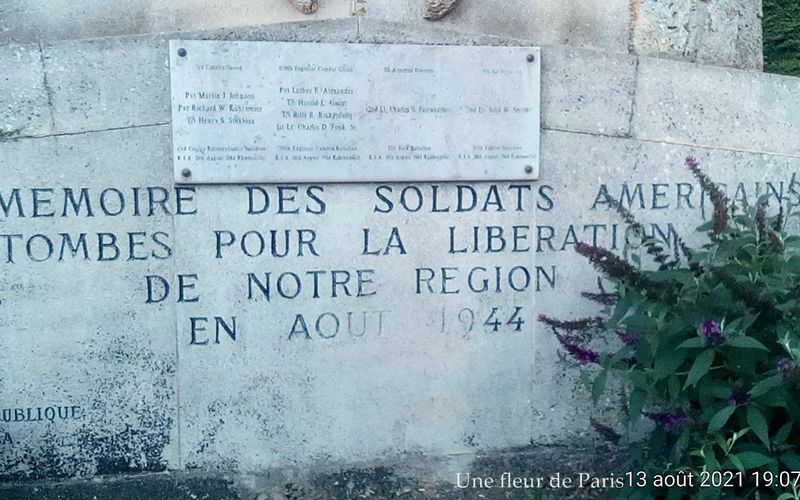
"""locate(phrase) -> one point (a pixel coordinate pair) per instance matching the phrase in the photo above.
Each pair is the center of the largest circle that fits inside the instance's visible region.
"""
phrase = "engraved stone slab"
(339, 323)
(293, 112)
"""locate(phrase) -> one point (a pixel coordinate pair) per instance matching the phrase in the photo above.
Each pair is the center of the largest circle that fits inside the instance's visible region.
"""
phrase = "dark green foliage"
(706, 348)
(782, 37)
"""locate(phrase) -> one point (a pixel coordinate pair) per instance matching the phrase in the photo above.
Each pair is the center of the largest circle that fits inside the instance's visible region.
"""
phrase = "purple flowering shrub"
(706, 344)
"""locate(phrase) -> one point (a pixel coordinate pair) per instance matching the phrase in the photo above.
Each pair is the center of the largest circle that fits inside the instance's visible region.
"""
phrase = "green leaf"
(747, 321)
(757, 422)
(621, 355)
(692, 343)
(736, 462)
(635, 405)
(754, 460)
(705, 226)
(721, 442)
(783, 434)
(765, 385)
(599, 385)
(639, 322)
(740, 434)
(715, 388)
(707, 493)
(623, 306)
(712, 464)
(674, 387)
(719, 420)
(776, 397)
(668, 361)
(640, 380)
(792, 461)
(637, 494)
(792, 241)
(682, 444)
(700, 367)
(586, 380)
(746, 343)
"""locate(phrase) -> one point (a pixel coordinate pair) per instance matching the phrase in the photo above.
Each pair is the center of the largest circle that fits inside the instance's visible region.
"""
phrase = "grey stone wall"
(95, 113)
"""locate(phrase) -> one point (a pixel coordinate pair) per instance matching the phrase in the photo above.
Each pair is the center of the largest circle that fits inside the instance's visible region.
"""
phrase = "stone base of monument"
(510, 473)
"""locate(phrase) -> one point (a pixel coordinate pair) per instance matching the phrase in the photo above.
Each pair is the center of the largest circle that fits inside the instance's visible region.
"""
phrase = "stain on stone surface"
(125, 425)
(235, 411)
(380, 482)
(147, 487)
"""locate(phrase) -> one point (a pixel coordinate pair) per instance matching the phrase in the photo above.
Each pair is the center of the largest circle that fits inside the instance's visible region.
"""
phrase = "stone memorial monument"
(257, 256)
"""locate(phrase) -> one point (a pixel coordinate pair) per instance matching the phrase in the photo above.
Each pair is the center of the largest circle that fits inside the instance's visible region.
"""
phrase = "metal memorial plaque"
(248, 112)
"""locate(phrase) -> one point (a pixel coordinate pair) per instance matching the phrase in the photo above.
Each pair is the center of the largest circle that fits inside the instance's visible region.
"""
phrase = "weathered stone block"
(717, 107)
(587, 91)
(720, 32)
(108, 83)
(23, 92)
